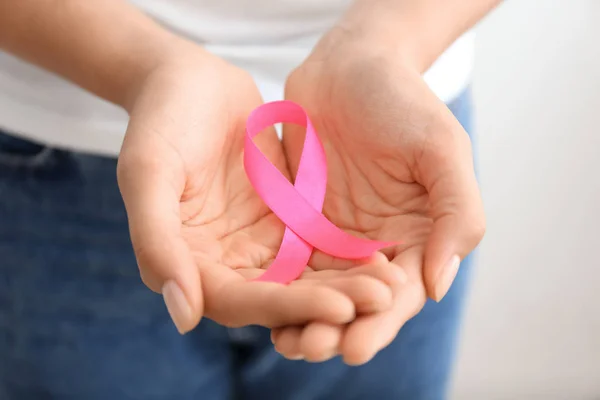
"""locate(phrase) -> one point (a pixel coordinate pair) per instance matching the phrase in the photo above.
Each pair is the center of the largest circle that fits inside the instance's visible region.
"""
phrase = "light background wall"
(533, 322)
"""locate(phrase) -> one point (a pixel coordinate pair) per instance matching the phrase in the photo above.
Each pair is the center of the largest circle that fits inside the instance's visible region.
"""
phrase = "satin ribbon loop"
(298, 205)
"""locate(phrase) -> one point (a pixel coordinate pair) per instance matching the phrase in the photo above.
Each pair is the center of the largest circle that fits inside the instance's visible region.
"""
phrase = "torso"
(266, 37)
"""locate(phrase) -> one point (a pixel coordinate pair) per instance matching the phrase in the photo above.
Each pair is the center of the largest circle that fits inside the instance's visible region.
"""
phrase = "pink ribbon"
(299, 205)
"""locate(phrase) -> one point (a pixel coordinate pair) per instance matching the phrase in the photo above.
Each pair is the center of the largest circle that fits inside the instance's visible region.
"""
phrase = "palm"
(224, 221)
(369, 196)
(196, 145)
(372, 154)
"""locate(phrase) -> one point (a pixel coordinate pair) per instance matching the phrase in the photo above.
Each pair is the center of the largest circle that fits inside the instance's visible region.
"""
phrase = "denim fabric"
(77, 323)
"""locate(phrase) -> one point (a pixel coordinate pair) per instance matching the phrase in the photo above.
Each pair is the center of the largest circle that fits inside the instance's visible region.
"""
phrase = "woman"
(76, 322)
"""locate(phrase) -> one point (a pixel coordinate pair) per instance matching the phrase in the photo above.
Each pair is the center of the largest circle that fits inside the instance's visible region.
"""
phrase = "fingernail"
(328, 355)
(177, 305)
(293, 357)
(446, 278)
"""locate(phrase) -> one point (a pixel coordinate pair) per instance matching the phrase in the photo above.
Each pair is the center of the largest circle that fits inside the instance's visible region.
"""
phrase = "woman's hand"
(400, 168)
(198, 228)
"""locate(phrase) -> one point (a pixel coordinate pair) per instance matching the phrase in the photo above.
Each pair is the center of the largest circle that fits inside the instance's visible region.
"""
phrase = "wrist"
(415, 31)
(345, 44)
(168, 62)
(390, 29)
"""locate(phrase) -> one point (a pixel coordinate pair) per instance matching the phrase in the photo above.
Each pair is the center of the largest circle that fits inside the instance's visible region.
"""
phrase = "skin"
(399, 164)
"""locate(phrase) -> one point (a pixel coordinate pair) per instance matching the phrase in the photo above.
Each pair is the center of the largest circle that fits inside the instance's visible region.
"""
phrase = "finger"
(288, 342)
(378, 266)
(368, 334)
(369, 286)
(446, 170)
(275, 332)
(240, 303)
(316, 342)
(320, 261)
(367, 293)
(151, 192)
(382, 270)
(319, 341)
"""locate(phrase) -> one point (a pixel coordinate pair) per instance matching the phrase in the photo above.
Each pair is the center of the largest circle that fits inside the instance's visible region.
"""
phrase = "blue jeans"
(77, 323)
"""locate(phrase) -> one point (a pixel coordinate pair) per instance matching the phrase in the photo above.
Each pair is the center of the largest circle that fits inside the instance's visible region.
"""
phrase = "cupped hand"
(400, 168)
(199, 231)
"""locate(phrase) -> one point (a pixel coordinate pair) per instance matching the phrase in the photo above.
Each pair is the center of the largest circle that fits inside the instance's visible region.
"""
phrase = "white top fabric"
(268, 38)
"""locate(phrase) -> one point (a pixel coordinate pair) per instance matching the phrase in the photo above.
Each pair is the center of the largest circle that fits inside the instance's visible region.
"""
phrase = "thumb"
(151, 192)
(446, 170)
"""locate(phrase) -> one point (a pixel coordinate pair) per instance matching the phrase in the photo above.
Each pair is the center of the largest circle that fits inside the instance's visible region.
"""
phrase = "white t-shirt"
(268, 38)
